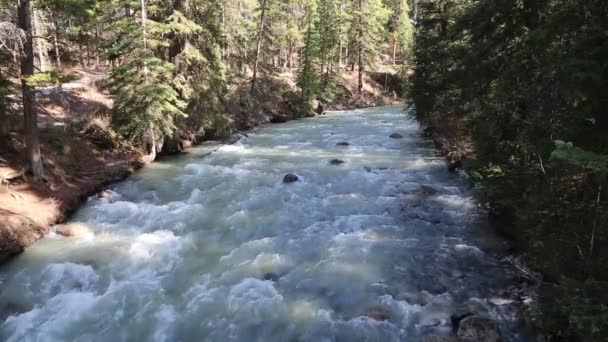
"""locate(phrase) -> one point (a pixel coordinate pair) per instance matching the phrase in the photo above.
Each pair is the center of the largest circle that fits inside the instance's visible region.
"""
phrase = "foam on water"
(220, 249)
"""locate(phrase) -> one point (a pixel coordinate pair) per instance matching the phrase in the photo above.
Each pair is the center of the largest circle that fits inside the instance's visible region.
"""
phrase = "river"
(216, 247)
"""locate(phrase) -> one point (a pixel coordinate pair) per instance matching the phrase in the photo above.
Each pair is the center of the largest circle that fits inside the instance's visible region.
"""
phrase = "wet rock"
(454, 165)
(438, 338)
(290, 178)
(320, 110)
(396, 136)
(17, 232)
(343, 143)
(336, 161)
(458, 316)
(74, 230)
(478, 329)
(378, 313)
(279, 118)
(425, 190)
(367, 168)
(270, 276)
(12, 309)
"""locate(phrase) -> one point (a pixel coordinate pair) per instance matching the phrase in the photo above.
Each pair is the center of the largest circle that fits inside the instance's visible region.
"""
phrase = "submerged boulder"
(290, 178)
(270, 276)
(378, 313)
(396, 136)
(478, 329)
(336, 161)
(78, 230)
(439, 338)
(343, 143)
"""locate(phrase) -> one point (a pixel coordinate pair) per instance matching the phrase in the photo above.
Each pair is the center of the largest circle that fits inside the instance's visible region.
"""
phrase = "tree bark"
(39, 42)
(360, 50)
(32, 144)
(394, 50)
(3, 117)
(258, 47)
(56, 42)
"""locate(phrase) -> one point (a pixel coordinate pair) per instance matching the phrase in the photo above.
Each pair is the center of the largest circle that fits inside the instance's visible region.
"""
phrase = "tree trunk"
(80, 51)
(56, 47)
(360, 50)
(39, 42)
(32, 144)
(56, 42)
(97, 58)
(394, 50)
(3, 117)
(290, 57)
(258, 47)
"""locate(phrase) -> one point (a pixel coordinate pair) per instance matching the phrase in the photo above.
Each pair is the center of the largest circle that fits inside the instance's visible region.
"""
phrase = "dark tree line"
(525, 84)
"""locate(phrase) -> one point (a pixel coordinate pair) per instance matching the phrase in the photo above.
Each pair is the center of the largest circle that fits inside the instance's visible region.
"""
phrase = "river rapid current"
(386, 246)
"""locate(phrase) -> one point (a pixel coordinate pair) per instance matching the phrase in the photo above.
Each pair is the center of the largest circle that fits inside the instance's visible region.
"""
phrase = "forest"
(514, 93)
(518, 91)
(166, 59)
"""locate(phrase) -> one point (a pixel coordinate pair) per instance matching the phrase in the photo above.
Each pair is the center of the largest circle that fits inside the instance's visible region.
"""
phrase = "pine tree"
(367, 31)
(308, 80)
(145, 99)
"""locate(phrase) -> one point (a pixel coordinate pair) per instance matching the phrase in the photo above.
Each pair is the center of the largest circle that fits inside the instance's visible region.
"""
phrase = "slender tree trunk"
(258, 47)
(97, 58)
(56, 47)
(290, 57)
(360, 50)
(39, 42)
(225, 41)
(80, 51)
(32, 144)
(340, 55)
(56, 42)
(394, 50)
(3, 116)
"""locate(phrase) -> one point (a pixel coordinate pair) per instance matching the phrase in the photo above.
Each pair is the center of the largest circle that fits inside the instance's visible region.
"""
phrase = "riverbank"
(82, 154)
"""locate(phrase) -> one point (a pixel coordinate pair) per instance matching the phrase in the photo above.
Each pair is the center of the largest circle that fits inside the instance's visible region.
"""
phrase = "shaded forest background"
(517, 91)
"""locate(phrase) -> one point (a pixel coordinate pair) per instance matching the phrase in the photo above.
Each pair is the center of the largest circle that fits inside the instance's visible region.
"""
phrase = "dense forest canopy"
(520, 88)
(184, 63)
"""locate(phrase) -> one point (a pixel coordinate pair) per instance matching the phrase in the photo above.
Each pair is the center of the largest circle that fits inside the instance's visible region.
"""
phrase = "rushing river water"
(217, 248)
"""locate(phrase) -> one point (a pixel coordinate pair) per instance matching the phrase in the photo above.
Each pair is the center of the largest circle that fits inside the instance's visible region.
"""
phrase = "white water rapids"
(217, 248)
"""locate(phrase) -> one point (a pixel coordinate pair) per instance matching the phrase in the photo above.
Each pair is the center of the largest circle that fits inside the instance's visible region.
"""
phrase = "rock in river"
(336, 161)
(396, 136)
(290, 178)
(378, 313)
(74, 230)
(343, 143)
(270, 276)
(478, 329)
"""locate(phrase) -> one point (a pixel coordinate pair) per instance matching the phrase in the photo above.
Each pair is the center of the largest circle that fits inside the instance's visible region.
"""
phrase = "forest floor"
(82, 154)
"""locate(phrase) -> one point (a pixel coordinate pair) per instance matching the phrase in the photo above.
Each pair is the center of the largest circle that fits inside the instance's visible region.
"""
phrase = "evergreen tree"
(308, 80)
(145, 99)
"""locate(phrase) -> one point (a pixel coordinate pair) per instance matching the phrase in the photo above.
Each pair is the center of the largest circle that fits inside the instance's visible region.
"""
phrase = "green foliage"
(308, 80)
(47, 78)
(578, 308)
(588, 160)
(517, 76)
(145, 101)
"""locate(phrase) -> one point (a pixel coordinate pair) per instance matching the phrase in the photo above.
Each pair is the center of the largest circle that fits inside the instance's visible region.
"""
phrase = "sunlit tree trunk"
(32, 144)
(39, 41)
(360, 50)
(56, 42)
(3, 116)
